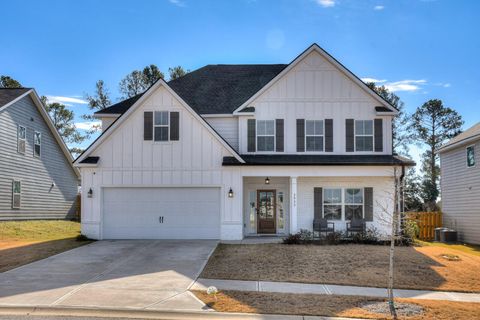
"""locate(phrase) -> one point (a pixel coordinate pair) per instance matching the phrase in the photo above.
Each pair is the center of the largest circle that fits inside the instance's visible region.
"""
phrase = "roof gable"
(467, 136)
(17, 94)
(8, 96)
(142, 99)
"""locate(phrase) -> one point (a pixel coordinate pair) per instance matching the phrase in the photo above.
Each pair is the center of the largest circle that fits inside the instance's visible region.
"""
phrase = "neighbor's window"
(265, 135)
(314, 135)
(161, 126)
(332, 204)
(353, 204)
(471, 156)
(37, 142)
(16, 194)
(21, 138)
(364, 135)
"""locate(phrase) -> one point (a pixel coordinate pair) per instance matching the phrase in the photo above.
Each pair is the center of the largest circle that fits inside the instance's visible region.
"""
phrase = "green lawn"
(22, 242)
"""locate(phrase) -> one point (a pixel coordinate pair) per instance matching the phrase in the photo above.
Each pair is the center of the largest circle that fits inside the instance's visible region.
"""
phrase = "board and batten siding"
(227, 127)
(39, 199)
(126, 160)
(460, 186)
(314, 89)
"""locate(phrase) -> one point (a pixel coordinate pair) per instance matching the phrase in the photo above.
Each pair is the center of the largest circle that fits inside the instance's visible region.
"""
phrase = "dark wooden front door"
(266, 211)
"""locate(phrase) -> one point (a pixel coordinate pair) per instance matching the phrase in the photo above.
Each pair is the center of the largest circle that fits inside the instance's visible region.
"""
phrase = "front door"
(266, 211)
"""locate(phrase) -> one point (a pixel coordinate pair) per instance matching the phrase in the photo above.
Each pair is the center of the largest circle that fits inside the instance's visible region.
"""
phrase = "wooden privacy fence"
(426, 222)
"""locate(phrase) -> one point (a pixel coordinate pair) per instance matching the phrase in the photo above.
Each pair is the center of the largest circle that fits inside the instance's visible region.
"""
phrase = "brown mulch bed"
(17, 253)
(360, 265)
(329, 305)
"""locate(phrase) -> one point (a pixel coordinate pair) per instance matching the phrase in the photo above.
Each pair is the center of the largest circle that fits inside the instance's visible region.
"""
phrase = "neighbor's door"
(266, 211)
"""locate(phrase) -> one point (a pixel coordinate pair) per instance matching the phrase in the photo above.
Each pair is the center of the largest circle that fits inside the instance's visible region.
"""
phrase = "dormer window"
(265, 135)
(364, 135)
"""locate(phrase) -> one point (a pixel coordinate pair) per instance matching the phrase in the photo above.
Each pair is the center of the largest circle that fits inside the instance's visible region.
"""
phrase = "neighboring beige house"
(460, 183)
(230, 151)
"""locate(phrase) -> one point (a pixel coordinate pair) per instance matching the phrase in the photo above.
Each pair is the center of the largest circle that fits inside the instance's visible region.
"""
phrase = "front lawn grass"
(22, 242)
(466, 248)
(329, 305)
(359, 265)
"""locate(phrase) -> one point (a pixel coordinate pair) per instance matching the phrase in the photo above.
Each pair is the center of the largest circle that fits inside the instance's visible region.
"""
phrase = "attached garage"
(161, 213)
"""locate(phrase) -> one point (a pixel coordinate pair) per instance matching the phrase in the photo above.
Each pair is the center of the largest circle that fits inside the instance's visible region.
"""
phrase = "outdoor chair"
(356, 226)
(322, 225)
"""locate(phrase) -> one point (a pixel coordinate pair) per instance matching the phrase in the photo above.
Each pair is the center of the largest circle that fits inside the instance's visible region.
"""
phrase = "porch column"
(293, 204)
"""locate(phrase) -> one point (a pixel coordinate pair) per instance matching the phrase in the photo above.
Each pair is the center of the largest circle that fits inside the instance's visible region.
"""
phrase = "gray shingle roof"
(214, 89)
(9, 94)
(323, 160)
(467, 134)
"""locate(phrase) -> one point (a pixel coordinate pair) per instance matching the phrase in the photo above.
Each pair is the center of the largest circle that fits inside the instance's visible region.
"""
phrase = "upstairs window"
(314, 135)
(471, 156)
(16, 194)
(37, 142)
(364, 135)
(21, 139)
(265, 135)
(161, 126)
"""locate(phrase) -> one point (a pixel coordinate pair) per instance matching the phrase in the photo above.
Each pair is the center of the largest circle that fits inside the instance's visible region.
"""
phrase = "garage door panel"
(188, 213)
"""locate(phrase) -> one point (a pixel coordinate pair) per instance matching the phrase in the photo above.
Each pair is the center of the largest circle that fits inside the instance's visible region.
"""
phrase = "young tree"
(402, 137)
(98, 101)
(177, 72)
(138, 81)
(433, 124)
(8, 82)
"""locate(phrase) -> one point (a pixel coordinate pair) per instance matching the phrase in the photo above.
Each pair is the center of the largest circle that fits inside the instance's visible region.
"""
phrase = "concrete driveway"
(140, 274)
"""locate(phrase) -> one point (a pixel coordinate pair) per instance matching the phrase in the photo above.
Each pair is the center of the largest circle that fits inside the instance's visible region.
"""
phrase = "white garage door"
(161, 213)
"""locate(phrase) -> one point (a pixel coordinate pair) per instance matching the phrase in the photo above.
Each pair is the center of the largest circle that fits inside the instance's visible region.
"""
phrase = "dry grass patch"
(22, 242)
(328, 305)
(360, 265)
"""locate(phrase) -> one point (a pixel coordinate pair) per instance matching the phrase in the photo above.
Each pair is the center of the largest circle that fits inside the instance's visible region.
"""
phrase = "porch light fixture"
(230, 193)
(267, 180)
(90, 193)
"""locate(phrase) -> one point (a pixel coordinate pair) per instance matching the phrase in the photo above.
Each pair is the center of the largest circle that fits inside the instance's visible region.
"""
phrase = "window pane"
(21, 146)
(470, 156)
(270, 127)
(161, 133)
(364, 143)
(314, 143)
(358, 127)
(21, 132)
(368, 127)
(260, 143)
(16, 201)
(353, 211)
(17, 187)
(161, 118)
(353, 196)
(319, 127)
(310, 127)
(269, 143)
(332, 196)
(261, 127)
(36, 150)
(36, 137)
(332, 212)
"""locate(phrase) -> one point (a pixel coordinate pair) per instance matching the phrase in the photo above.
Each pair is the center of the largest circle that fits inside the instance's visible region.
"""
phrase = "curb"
(148, 314)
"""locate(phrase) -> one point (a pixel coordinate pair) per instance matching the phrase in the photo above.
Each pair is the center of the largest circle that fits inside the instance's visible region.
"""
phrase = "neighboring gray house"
(37, 179)
(461, 184)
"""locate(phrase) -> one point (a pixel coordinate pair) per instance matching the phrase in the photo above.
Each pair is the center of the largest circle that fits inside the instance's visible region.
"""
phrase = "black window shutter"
(317, 203)
(300, 135)
(378, 135)
(349, 135)
(174, 126)
(279, 135)
(328, 135)
(251, 135)
(368, 193)
(148, 125)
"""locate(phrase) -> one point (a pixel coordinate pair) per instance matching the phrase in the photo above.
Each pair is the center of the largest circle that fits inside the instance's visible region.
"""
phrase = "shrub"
(410, 233)
(305, 235)
(334, 237)
(292, 239)
(301, 237)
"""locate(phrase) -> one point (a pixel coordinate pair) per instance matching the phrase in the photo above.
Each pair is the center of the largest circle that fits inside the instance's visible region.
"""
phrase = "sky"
(420, 49)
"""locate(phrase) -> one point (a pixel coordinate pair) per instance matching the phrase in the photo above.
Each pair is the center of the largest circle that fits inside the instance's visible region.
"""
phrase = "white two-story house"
(231, 151)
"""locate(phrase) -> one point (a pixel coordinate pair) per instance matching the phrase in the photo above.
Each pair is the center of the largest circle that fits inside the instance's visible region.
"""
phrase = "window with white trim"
(265, 135)
(363, 135)
(471, 156)
(37, 143)
(332, 204)
(314, 135)
(21, 139)
(16, 194)
(353, 203)
(161, 126)
(343, 203)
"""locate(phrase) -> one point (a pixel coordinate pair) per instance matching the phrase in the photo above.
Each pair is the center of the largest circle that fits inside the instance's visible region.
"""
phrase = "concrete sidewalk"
(298, 288)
